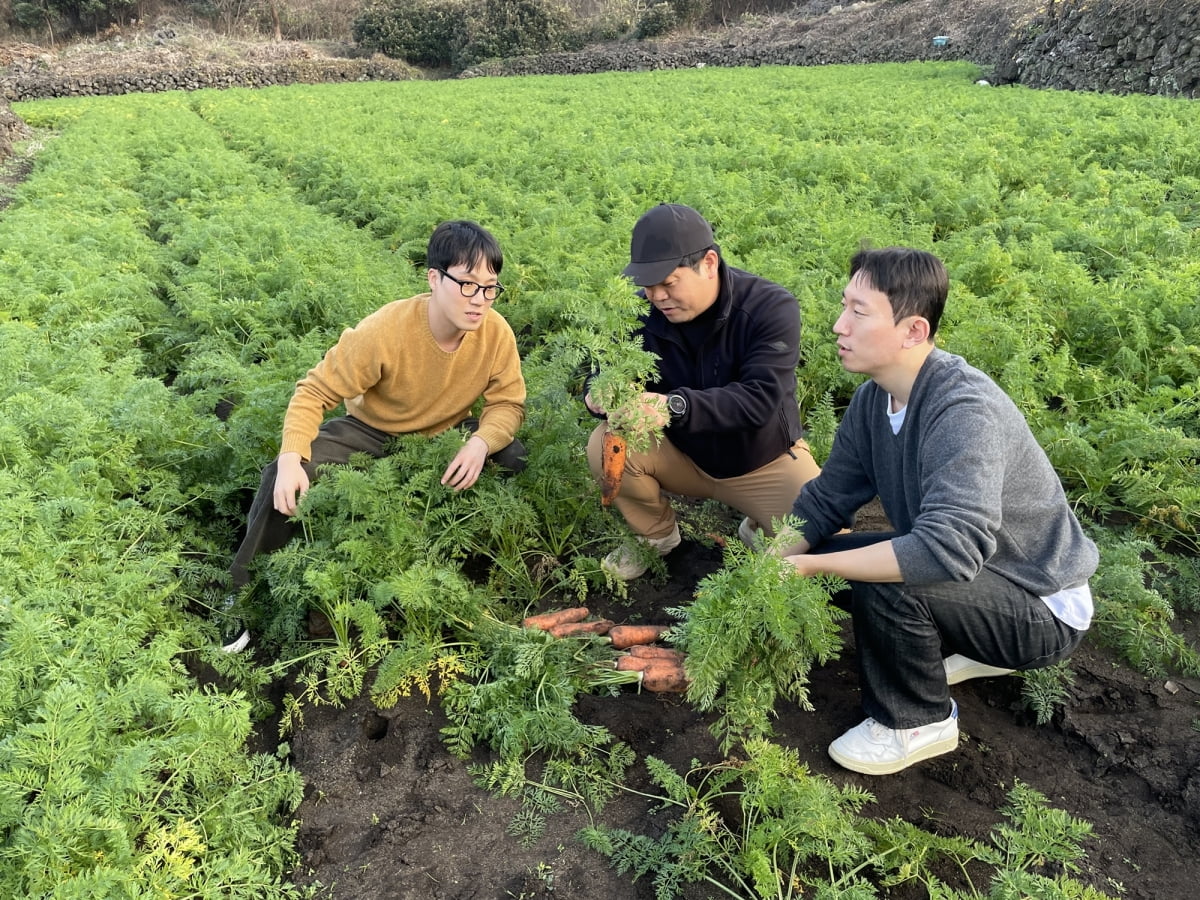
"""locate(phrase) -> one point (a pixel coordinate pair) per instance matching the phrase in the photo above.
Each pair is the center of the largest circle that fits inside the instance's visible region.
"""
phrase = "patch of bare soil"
(388, 813)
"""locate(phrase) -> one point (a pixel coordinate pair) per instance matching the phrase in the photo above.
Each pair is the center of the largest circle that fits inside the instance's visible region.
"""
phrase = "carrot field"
(174, 262)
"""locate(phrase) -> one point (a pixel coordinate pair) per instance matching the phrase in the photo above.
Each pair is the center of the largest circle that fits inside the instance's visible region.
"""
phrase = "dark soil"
(388, 813)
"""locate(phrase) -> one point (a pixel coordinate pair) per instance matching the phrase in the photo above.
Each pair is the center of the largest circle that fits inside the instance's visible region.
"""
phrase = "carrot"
(571, 629)
(612, 467)
(625, 636)
(666, 678)
(546, 621)
(627, 663)
(646, 651)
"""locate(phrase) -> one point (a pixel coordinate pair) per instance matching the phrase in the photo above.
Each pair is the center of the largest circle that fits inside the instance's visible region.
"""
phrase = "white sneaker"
(235, 637)
(963, 668)
(748, 532)
(628, 561)
(874, 749)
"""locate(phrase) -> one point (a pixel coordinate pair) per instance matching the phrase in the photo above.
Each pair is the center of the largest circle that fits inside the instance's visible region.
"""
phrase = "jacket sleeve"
(829, 502)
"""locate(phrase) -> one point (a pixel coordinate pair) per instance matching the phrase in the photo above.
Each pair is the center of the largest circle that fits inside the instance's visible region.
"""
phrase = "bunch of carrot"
(658, 668)
(661, 668)
(568, 622)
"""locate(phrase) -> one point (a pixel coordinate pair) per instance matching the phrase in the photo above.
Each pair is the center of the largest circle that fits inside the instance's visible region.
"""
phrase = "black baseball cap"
(662, 237)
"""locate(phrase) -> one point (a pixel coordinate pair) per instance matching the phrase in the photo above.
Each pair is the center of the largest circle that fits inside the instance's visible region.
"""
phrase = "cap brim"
(648, 273)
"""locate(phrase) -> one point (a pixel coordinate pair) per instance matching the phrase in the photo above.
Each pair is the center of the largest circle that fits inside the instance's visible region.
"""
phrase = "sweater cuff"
(298, 445)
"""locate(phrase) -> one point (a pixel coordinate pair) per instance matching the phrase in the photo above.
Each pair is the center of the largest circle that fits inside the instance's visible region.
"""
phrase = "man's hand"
(650, 410)
(592, 405)
(464, 469)
(875, 563)
(290, 480)
(803, 563)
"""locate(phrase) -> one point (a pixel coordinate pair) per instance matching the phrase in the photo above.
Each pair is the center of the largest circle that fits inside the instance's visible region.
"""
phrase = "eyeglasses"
(470, 288)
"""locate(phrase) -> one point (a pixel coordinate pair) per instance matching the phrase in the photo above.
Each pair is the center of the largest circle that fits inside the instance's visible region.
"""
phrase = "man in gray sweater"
(987, 569)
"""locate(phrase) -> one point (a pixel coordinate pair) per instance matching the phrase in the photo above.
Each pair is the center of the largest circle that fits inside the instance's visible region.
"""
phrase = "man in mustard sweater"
(415, 366)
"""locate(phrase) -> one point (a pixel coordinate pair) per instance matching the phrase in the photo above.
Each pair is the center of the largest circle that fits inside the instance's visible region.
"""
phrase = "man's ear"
(710, 264)
(432, 273)
(918, 331)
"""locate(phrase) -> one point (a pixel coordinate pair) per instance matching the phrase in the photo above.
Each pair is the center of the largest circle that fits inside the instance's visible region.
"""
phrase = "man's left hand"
(464, 469)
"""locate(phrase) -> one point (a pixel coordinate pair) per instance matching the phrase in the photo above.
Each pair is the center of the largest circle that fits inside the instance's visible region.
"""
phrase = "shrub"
(690, 11)
(656, 21)
(462, 33)
(498, 29)
(420, 32)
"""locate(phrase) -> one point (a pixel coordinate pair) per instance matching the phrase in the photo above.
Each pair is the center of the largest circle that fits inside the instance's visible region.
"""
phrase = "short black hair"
(915, 281)
(463, 243)
(692, 260)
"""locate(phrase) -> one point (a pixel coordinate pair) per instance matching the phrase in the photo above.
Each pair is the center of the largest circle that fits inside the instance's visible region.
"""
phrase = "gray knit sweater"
(964, 483)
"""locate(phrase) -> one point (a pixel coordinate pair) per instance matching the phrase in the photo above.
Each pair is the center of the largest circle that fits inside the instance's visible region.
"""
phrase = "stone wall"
(1122, 46)
(816, 34)
(1113, 46)
(28, 83)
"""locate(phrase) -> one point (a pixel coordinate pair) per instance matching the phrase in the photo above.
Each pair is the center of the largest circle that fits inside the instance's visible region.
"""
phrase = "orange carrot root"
(627, 663)
(546, 621)
(625, 636)
(571, 629)
(646, 651)
(667, 679)
(612, 467)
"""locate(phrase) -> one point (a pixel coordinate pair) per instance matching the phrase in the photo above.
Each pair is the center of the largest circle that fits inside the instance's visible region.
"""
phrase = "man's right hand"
(291, 483)
(593, 406)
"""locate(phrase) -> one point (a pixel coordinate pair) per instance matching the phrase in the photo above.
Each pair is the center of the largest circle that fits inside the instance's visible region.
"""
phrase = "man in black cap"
(728, 344)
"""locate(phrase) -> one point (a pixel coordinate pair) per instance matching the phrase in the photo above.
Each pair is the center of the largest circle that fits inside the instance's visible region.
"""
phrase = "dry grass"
(163, 47)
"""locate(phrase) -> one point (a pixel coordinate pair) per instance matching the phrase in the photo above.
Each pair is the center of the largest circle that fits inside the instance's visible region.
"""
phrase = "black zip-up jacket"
(740, 385)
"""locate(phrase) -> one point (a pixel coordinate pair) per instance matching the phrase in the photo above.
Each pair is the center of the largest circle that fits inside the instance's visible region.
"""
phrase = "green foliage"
(752, 635)
(690, 11)
(418, 31)
(1047, 689)
(463, 32)
(1177, 578)
(766, 827)
(116, 769)
(520, 691)
(64, 18)
(587, 780)
(497, 29)
(655, 21)
(1131, 615)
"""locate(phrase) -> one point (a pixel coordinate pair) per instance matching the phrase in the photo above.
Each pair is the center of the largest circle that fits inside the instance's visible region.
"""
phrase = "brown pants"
(765, 494)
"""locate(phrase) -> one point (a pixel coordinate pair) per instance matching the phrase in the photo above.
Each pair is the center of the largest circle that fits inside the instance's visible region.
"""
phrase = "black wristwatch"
(677, 405)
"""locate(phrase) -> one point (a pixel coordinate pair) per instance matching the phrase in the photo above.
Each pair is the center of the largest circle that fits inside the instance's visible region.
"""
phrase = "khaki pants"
(766, 493)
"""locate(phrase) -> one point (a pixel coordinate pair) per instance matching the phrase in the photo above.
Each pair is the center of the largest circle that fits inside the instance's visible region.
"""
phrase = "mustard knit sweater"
(391, 374)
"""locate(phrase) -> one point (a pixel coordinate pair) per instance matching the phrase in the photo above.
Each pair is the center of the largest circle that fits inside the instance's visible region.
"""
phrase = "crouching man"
(987, 570)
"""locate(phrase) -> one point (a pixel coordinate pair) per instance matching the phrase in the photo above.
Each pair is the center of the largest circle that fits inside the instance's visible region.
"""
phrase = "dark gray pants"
(902, 633)
(267, 529)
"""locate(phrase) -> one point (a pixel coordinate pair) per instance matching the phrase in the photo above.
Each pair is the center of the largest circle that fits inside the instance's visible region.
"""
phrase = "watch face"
(677, 404)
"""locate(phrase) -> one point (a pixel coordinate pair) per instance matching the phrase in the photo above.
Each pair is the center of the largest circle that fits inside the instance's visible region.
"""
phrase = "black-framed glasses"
(470, 288)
